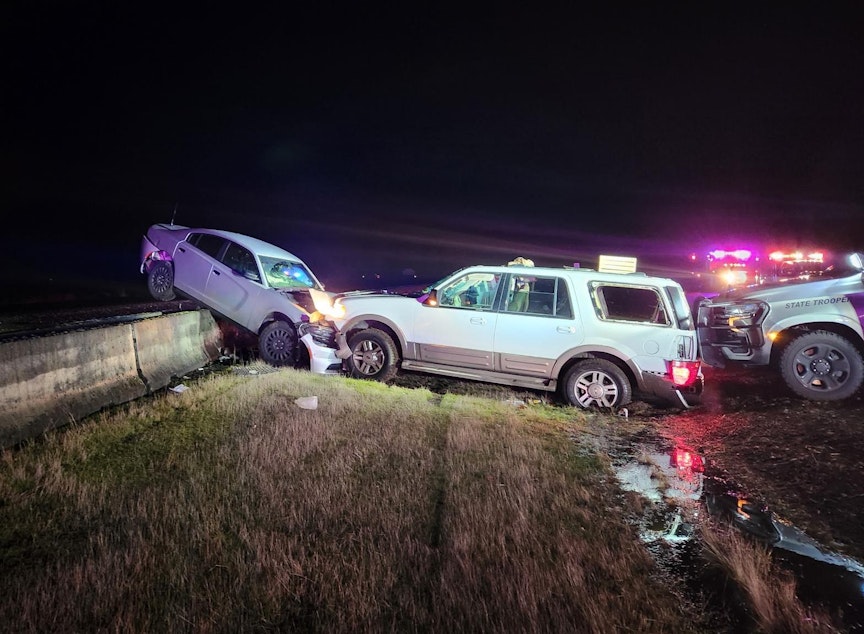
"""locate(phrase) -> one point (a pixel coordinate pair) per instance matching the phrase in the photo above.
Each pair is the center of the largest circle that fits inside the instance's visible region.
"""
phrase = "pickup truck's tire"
(822, 366)
(597, 383)
(277, 344)
(373, 355)
(160, 281)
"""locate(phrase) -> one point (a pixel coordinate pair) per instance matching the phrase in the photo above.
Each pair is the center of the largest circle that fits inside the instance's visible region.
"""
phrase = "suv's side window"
(474, 290)
(538, 295)
(628, 303)
(241, 260)
(208, 243)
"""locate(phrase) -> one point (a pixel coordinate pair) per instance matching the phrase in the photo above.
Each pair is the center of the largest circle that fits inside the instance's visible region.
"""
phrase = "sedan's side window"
(242, 261)
(208, 243)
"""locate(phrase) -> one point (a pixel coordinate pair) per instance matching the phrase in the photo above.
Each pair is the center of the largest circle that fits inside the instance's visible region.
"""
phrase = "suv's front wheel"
(596, 383)
(373, 355)
(822, 366)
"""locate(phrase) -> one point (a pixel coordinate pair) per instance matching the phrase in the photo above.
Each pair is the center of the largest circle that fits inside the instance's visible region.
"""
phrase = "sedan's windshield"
(286, 274)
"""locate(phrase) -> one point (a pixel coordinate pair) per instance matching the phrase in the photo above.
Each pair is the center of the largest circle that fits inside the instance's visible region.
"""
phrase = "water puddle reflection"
(677, 486)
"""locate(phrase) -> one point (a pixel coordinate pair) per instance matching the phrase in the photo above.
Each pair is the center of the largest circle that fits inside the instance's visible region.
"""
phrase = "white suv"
(600, 337)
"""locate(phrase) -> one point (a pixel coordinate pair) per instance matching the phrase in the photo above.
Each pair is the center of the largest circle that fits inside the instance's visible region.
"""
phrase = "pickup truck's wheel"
(596, 383)
(822, 366)
(373, 355)
(277, 344)
(160, 281)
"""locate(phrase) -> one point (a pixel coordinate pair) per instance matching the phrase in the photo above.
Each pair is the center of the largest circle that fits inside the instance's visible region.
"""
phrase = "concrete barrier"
(47, 382)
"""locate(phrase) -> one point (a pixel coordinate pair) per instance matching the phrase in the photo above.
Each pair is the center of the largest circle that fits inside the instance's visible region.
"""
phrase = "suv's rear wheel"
(373, 355)
(160, 281)
(822, 366)
(596, 383)
(277, 344)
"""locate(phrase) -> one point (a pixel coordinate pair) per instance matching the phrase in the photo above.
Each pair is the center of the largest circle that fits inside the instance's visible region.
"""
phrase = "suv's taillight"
(684, 373)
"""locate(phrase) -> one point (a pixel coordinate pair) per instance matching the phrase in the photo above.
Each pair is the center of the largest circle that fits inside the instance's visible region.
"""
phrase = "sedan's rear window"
(208, 243)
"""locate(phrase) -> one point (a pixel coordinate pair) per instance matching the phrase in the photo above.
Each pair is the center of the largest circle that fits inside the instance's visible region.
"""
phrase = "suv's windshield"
(286, 274)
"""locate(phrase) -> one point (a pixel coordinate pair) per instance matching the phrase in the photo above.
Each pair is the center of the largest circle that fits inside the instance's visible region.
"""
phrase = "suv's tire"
(277, 344)
(373, 355)
(160, 281)
(597, 383)
(822, 366)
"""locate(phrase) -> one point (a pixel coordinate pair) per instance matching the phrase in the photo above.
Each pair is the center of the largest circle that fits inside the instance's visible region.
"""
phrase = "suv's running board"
(534, 383)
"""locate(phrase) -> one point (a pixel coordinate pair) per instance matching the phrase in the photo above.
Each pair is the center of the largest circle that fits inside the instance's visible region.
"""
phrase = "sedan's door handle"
(181, 249)
(216, 272)
(567, 330)
(478, 321)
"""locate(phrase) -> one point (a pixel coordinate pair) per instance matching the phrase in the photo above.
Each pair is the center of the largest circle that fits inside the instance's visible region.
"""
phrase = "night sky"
(381, 138)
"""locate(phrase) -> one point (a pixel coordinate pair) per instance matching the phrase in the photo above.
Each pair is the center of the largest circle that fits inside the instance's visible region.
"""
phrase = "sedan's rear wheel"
(596, 383)
(822, 366)
(160, 281)
(277, 344)
(373, 355)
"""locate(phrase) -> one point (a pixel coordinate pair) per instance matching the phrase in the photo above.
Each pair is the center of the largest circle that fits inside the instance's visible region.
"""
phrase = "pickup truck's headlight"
(740, 315)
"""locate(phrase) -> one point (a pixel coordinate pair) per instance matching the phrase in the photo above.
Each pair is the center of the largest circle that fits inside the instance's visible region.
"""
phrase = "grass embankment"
(228, 508)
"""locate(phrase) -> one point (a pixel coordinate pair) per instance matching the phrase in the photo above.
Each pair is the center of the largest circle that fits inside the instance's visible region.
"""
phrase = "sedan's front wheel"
(373, 355)
(277, 344)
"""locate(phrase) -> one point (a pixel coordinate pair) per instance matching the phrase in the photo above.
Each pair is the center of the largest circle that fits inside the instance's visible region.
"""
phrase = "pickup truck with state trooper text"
(810, 331)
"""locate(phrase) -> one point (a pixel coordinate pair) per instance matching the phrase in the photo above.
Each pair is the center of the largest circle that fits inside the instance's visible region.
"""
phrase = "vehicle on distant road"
(252, 283)
(598, 337)
(809, 329)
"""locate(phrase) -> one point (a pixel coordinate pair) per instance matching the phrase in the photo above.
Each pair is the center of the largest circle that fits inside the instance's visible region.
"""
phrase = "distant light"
(738, 254)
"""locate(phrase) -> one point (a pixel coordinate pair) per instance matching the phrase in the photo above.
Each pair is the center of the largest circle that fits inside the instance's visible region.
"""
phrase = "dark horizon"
(374, 142)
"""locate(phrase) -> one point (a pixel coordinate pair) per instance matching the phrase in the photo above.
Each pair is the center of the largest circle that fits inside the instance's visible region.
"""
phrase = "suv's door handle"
(567, 330)
(216, 272)
(480, 321)
(181, 249)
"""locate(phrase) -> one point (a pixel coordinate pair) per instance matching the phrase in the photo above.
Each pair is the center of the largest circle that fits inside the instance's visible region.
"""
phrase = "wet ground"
(783, 471)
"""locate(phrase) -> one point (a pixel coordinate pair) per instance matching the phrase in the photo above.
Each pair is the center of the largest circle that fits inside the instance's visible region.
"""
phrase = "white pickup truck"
(809, 330)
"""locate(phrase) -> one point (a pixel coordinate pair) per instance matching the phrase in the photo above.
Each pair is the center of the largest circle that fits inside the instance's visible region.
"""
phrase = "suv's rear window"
(629, 303)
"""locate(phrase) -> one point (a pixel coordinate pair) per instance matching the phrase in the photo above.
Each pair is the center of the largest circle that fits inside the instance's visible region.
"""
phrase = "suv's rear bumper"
(661, 386)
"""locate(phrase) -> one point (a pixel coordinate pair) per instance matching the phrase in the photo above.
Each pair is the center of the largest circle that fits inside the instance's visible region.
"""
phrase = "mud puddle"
(678, 486)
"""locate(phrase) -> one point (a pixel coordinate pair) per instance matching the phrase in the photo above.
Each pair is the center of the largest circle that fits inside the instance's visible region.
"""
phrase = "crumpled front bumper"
(319, 340)
(719, 346)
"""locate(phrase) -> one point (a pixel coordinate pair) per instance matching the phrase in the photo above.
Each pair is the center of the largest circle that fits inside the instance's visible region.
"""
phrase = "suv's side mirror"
(429, 299)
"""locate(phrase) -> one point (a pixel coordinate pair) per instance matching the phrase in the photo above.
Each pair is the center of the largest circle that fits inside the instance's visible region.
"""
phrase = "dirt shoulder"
(803, 459)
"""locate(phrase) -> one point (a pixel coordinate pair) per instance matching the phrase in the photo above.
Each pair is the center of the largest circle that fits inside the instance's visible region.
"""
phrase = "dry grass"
(769, 592)
(228, 508)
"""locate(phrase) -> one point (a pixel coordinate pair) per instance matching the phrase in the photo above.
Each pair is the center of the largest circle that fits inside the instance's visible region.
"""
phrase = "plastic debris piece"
(307, 402)
(178, 389)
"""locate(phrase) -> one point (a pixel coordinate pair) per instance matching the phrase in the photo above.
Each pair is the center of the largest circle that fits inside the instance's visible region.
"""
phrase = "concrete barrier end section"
(49, 382)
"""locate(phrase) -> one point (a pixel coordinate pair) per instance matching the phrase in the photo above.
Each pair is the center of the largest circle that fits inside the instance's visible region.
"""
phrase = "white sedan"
(256, 285)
